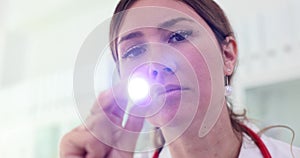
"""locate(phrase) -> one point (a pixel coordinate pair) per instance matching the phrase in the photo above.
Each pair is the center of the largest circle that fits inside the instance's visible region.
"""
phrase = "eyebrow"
(131, 35)
(166, 24)
(172, 22)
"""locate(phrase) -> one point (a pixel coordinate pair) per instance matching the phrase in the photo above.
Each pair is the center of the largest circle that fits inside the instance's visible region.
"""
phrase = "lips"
(172, 88)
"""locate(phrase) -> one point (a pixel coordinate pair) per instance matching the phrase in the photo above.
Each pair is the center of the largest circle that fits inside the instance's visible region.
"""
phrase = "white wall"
(269, 41)
(39, 43)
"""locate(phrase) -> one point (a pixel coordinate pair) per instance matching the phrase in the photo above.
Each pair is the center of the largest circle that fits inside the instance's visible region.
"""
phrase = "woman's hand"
(102, 135)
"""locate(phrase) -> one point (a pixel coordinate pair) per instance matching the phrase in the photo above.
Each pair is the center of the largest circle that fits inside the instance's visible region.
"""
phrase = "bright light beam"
(138, 90)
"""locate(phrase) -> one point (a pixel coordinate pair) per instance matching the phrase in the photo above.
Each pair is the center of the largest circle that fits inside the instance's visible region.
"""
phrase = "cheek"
(195, 62)
(203, 74)
(208, 65)
(127, 69)
(198, 64)
(129, 66)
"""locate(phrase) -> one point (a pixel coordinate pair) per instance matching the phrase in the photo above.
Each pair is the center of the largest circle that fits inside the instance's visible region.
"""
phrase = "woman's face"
(171, 46)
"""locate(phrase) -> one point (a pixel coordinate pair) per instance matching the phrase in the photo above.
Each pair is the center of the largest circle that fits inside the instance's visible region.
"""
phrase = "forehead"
(155, 13)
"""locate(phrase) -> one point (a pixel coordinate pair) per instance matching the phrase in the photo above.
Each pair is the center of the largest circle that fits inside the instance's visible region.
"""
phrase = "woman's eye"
(134, 51)
(179, 36)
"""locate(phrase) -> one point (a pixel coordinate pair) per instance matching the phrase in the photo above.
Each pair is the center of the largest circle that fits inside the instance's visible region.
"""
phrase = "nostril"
(167, 69)
(154, 73)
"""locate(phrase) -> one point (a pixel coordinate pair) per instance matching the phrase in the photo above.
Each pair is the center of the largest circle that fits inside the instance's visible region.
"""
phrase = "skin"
(83, 141)
(190, 67)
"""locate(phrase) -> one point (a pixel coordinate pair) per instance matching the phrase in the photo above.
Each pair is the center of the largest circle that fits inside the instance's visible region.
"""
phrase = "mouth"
(172, 89)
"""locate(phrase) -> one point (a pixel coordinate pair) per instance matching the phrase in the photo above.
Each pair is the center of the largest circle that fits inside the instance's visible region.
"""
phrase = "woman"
(187, 51)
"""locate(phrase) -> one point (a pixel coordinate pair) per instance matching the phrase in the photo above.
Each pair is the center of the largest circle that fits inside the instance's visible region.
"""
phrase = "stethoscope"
(260, 144)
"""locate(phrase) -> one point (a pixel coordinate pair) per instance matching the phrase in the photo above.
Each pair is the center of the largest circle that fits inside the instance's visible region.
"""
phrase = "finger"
(111, 133)
(111, 98)
(112, 118)
(105, 129)
(127, 139)
(81, 143)
(68, 148)
(135, 123)
(97, 123)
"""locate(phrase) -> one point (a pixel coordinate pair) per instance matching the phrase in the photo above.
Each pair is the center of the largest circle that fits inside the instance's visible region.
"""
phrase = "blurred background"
(39, 42)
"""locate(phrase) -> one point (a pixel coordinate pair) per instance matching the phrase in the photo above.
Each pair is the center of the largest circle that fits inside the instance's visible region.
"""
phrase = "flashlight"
(138, 90)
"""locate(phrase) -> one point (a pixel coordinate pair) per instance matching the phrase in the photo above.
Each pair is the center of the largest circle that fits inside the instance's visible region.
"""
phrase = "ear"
(229, 54)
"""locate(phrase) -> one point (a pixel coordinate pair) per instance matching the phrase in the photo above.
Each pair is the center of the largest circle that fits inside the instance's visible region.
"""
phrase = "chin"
(164, 115)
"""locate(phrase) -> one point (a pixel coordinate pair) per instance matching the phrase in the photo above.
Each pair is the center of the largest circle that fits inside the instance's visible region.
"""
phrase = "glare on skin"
(201, 41)
(189, 53)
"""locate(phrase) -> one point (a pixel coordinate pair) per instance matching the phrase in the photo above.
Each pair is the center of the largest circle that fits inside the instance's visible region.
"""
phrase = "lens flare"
(138, 89)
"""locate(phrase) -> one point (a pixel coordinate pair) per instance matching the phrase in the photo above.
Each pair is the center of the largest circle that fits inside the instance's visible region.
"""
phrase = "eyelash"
(175, 37)
(134, 51)
(179, 36)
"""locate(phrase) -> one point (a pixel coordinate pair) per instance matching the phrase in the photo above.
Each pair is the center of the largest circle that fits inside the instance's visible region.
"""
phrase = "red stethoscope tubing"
(260, 144)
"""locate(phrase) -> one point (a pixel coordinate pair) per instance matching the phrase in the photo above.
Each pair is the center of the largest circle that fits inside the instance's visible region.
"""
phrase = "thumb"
(135, 122)
(130, 134)
(119, 94)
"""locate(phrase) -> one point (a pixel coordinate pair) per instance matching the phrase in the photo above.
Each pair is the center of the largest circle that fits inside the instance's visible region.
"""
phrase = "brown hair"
(213, 15)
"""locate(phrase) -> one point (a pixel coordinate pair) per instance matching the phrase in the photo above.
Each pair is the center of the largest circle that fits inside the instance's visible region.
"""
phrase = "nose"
(159, 72)
(161, 61)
